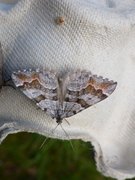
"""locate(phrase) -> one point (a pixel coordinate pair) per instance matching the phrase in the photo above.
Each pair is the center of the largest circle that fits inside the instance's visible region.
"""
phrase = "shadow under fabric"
(97, 36)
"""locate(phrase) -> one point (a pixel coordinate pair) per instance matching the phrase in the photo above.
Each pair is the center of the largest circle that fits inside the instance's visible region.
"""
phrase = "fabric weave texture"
(98, 36)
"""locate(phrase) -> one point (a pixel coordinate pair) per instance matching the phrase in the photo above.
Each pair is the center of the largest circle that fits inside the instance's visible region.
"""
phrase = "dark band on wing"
(97, 94)
(79, 101)
(88, 90)
(39, 98)
(100, 83)
(26, 78)
(36, 84)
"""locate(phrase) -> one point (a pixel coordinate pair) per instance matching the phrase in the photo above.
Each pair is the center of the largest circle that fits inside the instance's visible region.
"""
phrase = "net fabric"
(95, 35)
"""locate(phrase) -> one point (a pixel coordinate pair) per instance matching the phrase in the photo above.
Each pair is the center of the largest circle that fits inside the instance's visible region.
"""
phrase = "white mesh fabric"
(98, 36)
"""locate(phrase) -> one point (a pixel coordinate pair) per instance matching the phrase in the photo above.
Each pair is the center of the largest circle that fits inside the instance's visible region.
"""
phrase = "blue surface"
(5, 7)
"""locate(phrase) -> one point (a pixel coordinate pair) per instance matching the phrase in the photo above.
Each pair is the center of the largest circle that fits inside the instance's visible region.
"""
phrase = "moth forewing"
(111, 87)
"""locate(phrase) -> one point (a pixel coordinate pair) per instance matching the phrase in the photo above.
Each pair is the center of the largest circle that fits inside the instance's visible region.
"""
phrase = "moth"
(62, 98)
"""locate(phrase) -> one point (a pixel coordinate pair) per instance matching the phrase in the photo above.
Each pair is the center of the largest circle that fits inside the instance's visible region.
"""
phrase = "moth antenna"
(68, 138)
(48, 136)
(67, 121)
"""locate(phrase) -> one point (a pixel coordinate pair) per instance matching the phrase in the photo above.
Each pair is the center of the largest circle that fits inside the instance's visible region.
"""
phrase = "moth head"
(58, 119)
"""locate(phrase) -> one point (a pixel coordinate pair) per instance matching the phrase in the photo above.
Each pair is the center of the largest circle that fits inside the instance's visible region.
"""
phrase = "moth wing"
(41, 86)
(81, 90)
